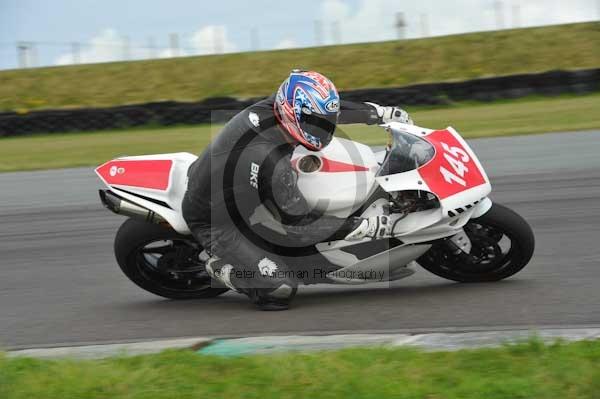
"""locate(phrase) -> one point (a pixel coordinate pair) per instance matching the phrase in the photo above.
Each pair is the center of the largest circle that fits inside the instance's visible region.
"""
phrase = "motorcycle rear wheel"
(162, 261)
(490, 258)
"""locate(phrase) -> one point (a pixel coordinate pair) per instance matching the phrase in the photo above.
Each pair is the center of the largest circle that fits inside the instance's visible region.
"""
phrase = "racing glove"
(391, 114)
(375, 227)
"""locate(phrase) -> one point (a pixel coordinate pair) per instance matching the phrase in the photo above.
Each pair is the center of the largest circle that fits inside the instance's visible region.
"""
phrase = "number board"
(452, 170)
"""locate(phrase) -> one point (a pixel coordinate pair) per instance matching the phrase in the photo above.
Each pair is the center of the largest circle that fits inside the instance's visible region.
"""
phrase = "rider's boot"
(272, 299)
(268, 299)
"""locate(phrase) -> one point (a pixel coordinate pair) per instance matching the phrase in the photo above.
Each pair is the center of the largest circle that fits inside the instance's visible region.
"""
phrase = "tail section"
(151, 187)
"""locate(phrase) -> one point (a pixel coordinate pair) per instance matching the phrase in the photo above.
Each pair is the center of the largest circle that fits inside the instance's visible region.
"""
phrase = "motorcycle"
(429, 182)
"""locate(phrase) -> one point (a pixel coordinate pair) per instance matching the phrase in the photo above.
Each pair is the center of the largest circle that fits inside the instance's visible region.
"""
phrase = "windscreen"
(408, 152)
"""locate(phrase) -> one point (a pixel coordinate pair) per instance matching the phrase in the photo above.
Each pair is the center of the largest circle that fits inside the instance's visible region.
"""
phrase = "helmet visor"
(319, 126)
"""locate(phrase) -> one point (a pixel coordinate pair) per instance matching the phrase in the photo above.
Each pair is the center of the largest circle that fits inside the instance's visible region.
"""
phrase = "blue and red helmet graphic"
(307, 106)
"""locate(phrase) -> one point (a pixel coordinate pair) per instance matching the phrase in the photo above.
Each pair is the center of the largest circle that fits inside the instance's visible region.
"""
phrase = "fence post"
(218, 38)
(400, 25)
(76, 52)
(126, 48)
(151, 48)
(499, 8)
(516, 11)
(254, 39)
(174, 44)
(33, 55)
(424, 25)
(336, 35)
(318, 32)
(22, 50)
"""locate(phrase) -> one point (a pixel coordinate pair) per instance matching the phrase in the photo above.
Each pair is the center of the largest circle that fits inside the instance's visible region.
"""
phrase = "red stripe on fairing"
(153, 174)
(331, 166)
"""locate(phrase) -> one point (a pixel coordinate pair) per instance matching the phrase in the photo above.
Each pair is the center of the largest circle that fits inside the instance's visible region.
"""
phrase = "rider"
(248, 167)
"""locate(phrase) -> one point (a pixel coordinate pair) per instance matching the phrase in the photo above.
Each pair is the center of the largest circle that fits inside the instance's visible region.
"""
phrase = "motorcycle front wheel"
(502, 243)
(162, 261)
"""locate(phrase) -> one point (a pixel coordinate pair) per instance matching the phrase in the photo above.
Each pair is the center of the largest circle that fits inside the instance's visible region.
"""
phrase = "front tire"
(162, 261)
(490, 259)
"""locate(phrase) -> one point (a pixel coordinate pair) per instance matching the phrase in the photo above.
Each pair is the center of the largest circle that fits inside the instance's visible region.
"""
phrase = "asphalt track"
(59, 283)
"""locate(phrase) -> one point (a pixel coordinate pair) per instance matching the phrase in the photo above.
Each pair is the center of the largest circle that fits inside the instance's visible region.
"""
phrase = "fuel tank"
(338, 179)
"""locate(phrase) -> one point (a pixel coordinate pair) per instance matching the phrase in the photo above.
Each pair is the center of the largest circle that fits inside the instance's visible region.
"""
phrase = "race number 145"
(457, 158)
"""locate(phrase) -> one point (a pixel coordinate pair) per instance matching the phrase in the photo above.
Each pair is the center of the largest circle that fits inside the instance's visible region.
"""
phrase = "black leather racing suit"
(246, 173)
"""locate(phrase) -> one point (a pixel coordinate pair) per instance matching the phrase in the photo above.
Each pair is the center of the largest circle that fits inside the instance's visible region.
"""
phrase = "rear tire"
(162, 261)
(486, 234)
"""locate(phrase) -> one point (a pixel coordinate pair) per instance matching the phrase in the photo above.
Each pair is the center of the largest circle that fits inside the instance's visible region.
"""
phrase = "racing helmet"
(307, 105)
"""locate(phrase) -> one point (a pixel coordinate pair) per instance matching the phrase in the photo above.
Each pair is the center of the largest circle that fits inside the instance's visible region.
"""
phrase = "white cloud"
(212, 39)
(349, 21)
(373, 20)
(169, 53)
(537, 12)
(369, 22)
(107, 46)
(286, 43)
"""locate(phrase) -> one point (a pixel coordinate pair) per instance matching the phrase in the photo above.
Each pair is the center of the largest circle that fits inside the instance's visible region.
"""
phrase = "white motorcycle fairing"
(341, 180)
(453, 175)
(154, 182)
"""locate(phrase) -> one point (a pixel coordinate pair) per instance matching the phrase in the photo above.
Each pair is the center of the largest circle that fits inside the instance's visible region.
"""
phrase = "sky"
(69, 31)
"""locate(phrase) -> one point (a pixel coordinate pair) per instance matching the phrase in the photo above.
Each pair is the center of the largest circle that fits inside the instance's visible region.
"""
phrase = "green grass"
(383, 64)
(472, 120)
(529, 370)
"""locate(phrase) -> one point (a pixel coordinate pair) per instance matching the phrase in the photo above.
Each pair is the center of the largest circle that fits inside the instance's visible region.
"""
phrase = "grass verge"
(383, 64)
(528, 370)
(472, 120)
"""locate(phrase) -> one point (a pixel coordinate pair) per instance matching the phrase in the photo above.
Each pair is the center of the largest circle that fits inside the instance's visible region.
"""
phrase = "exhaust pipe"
(121, 206)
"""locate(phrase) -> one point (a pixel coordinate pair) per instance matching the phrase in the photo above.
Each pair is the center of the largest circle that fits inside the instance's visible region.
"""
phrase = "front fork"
(460, 245)
(460, 242)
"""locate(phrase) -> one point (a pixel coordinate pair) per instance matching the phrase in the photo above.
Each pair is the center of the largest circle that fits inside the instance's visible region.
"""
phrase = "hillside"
(383, 64)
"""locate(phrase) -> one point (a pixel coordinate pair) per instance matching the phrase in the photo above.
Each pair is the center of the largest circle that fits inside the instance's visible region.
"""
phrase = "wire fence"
(111, 46)
(218, 39)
